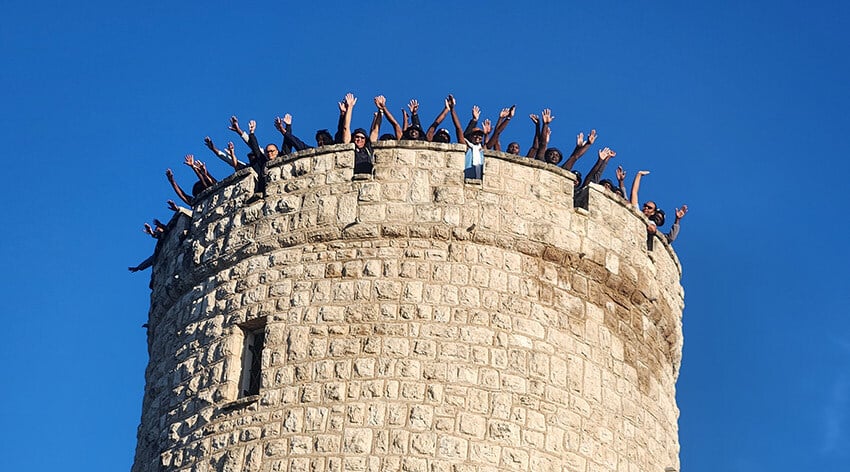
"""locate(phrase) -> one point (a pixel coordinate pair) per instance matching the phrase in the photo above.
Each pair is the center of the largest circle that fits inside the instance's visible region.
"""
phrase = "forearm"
(595, 174)
(635, 189)
(346, 126)
(376, 126)
(396, 127)
(532, 151)
(574, 157)
(436, 124)
(674, 232)
(180, 193)
(340, 127)
(458, 129)
(293, 141)
(543, 142)
(470, 126)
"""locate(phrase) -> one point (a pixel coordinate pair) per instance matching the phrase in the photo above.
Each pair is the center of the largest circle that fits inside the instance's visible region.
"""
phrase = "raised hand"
(287, 119)
(547, 116)
(681, 212)
(451, 102)
(476, 112)
(486, 126)
(252, 126)
(534, 118)
(148, 230)
(580, 141)
(414, 106)
(621, 174)
(342, 107)
(169, 174)
(511, 111)
(278, 123)
(172, 206)
(606, 153)
(234, 125)
(643, 172)
(504, 113)
(591, 138)
(208, 142)
(230, 147)
(189, 160)
(350, 100)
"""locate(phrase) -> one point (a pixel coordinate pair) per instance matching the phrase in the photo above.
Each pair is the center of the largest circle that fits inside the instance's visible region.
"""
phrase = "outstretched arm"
(473, 122)
(582, 146)
(429, 135)
(598, 168)
(234, 126)
(674, 230)
(350, 100)
(376, 126)
(621, 181)
(636, 188)
(143, 265)
(546, 116)
(504, 117)
(414, 114)
(390, 118)
(456, 120)
(179, 191)
(532, 151)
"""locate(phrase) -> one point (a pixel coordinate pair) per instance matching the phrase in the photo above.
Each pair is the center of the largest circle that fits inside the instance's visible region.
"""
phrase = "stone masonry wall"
(413, 322)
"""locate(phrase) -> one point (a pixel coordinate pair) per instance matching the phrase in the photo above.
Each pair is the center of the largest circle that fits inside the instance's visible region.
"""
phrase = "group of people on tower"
(477, 138)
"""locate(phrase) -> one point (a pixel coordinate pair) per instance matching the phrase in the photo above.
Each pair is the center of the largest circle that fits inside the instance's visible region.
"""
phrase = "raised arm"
(218, 152)
(376, 126)
(636, 187)
(385, 110)
(179, 191)
(546, 117)
(486, 126)
(598, 168)
(208, 179)
(582, 146)
(429, 135)
(456, 120)
(289, 140)
(504, 118)
(532, 151)
(189, 160)
(234, 126)
(674, 230)
(350, 100)
(414, 114)
(621, 181)
(473, 123)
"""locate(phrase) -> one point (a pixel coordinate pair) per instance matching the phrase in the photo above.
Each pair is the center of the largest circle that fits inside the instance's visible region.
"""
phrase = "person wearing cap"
(473, 138)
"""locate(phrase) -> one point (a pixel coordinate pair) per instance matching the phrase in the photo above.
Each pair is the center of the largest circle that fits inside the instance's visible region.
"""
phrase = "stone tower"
(411, 321)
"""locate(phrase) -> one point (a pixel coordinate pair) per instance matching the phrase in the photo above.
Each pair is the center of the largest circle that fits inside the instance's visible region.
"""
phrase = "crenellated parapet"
(412, 320)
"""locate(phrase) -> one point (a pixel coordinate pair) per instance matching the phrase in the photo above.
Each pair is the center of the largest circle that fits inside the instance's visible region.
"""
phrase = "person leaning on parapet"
(649, 209)
(674, 230)
(363, 154)
(473, 138)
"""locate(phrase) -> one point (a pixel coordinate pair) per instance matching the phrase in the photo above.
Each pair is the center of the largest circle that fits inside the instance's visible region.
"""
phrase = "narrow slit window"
(252, 357)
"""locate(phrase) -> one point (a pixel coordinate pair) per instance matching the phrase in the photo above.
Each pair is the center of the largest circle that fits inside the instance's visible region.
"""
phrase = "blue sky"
(739, 109)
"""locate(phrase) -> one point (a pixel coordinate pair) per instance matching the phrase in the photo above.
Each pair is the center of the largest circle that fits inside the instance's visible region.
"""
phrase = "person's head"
(607, 184)
(359, 138)
(271, 151)
(649, 209)
(476, 136)
(658, 217)
(513, 148)
(442, 136)
(198, 188)
(552, 156)
(324, 138)
(413, 132)
(386, 137)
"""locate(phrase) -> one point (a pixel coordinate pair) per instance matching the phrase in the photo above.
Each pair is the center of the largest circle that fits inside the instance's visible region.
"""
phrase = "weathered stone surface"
(413, 321)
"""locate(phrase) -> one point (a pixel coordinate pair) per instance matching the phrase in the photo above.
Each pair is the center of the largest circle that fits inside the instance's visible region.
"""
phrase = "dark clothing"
(258, 161)
(363, 160)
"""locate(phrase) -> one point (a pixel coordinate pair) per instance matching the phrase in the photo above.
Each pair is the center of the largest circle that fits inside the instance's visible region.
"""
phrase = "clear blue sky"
(739, 109)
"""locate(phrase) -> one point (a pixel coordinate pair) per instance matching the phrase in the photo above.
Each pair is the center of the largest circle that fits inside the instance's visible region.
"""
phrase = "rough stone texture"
(414, 322)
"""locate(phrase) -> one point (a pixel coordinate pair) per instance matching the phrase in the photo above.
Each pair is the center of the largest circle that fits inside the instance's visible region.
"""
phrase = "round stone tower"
(411, 321)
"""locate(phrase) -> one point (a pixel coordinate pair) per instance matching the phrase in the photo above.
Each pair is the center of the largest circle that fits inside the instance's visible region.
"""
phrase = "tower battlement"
(411, 321)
